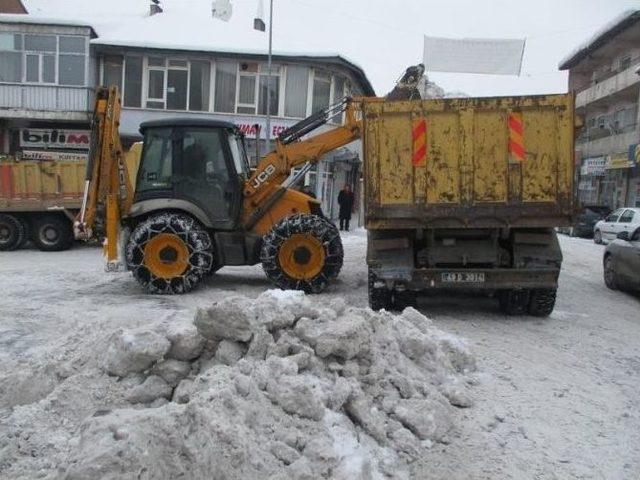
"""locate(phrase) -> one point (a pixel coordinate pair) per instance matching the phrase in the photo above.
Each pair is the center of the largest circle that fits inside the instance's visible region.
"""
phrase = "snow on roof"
(600, 37)
(182, 26)
(22, 18)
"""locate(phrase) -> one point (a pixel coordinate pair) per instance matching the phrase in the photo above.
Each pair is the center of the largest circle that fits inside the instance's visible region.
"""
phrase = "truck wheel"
(514, 302)
(169, 253)
(379, 298)
(52, 233)
(542, 302)
(302, 252)
(402, 300)
(12, 232)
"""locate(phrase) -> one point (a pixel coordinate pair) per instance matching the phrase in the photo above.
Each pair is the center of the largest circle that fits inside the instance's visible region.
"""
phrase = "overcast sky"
(385, 36)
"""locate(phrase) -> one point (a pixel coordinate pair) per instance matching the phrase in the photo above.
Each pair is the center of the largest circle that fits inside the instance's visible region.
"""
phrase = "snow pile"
(277, 387)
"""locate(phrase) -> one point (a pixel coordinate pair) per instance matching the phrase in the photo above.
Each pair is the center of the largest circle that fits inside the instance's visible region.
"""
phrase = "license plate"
(463, 277)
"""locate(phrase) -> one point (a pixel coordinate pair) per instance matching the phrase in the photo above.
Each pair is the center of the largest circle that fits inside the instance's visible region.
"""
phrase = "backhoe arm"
(290, 151)
(108, 193)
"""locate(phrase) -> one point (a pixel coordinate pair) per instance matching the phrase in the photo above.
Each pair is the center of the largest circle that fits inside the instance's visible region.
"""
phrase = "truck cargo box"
(469, 162)
(34, 185)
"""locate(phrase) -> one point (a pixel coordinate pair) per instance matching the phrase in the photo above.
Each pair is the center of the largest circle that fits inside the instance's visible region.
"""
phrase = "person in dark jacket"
(345, 200)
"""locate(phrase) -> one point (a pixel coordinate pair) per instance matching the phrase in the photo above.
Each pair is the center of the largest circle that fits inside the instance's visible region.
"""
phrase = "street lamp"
(258, 24)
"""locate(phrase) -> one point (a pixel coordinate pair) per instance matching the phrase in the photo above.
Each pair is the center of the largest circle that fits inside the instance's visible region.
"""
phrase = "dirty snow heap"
(276, 387)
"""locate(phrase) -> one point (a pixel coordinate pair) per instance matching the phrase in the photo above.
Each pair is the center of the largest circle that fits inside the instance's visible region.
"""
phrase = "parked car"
(621, 220)
(586, 220)
(622, 261)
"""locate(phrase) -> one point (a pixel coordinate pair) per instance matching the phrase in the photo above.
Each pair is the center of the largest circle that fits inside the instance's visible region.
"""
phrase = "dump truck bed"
(33, 185)
(469, 162)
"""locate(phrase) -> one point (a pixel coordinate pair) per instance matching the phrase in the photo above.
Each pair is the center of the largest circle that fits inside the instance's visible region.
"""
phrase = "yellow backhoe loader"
(197, 206)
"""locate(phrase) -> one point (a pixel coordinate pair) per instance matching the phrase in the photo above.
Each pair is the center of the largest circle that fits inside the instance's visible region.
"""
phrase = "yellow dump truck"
(39, 199)
(464, 194)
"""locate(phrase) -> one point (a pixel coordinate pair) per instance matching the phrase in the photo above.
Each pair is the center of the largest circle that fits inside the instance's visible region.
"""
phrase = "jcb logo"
(264, 175)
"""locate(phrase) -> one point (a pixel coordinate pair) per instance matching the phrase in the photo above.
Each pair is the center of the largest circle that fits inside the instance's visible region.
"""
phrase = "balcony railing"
(45, 99)
(607, 84)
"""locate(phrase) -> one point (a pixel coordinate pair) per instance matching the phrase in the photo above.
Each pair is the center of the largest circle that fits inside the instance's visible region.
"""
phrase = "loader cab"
(194, 165)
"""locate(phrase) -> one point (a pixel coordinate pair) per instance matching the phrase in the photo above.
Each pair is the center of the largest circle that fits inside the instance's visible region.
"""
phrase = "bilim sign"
(54, 138)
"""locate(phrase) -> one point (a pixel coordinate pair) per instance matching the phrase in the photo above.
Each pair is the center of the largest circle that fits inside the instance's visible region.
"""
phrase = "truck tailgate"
(469, 162)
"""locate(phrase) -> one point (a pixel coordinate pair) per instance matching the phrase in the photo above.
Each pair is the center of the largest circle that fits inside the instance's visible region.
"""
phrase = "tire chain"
(189, 231)
(320, 228)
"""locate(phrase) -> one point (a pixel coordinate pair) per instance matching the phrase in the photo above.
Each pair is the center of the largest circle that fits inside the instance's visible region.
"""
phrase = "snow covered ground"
(555, 398)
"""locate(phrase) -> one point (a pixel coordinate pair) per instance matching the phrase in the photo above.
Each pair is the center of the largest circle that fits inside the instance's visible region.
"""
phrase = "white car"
(621, 220)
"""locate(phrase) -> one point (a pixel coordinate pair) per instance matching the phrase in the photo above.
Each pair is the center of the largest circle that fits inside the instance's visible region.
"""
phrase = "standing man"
(345, 200)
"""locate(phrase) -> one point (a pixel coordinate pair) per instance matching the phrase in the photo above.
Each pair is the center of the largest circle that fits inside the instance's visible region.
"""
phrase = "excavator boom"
(108, 193)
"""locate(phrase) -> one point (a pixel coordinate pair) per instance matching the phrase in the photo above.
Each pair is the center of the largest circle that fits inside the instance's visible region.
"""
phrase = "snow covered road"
(556, 398)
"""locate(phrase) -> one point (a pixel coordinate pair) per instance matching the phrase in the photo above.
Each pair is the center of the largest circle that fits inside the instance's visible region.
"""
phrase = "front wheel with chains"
(302, 252)
(169, 253)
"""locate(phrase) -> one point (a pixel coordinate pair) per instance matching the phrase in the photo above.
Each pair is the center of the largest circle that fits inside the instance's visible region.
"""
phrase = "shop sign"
(593, 166)
(251, 130)
(54, 138)
(586, 185)
(47, 155)
(619, 160)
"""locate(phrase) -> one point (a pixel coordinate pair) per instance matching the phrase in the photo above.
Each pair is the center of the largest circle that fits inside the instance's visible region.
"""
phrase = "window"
(624, 62)
(337, 95)
(199, 85)
(177, 81)
(613, 217)
(10, 57)
(274, 94)
(112, 73)
(40, 58)
(40, 43)
(626, 217)
(155, 82)
(71, 70)
(295, 98)
(46, 59)
(601, 120)
(618, 119)
(321, 91)
(247, 82)
(225, 93)
(156, 170)
(71, 60)
(133, 81)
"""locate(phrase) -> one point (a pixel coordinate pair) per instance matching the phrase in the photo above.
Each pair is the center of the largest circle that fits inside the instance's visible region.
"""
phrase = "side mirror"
(623, 236)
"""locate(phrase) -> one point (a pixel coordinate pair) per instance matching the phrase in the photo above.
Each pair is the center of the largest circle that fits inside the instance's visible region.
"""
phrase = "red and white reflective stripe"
(419, 133)
(516, 136)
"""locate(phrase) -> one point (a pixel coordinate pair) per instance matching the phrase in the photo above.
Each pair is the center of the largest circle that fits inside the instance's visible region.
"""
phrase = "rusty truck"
(464, 194)
(40, 198)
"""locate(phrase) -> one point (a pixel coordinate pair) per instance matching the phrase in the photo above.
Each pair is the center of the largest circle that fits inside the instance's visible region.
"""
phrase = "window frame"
(56, 57)
(628, 210)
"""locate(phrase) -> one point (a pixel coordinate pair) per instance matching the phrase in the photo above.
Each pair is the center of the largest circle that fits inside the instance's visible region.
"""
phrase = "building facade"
(604, 74)
(48, 74)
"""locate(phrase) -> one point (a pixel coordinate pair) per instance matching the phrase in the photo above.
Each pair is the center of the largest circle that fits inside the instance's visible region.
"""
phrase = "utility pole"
(268, 133)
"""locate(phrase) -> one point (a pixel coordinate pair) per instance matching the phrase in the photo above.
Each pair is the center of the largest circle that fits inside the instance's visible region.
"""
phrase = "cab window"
(156, 169)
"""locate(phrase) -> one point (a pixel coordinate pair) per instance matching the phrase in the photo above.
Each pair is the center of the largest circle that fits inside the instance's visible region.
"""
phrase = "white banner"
(48, 155)
(473, 55)
(55, 138)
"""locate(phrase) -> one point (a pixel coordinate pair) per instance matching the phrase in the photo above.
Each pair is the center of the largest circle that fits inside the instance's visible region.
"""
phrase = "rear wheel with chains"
(169, 253)
(302, 252)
